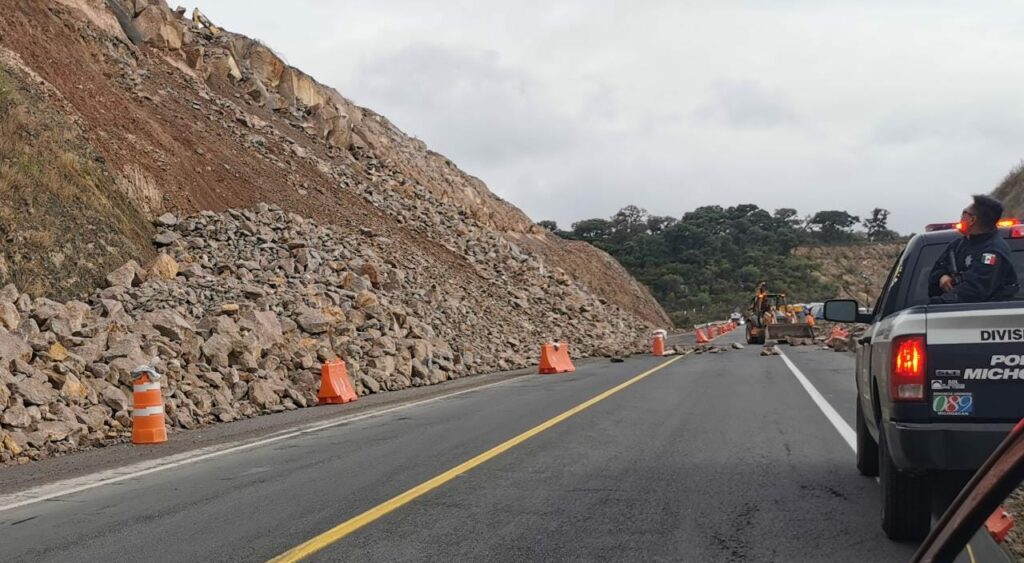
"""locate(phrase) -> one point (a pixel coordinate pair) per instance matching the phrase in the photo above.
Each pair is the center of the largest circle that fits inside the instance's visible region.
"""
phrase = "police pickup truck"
(938, 386)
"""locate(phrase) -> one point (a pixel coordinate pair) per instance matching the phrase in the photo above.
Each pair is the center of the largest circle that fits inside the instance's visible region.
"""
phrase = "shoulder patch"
(989, 259)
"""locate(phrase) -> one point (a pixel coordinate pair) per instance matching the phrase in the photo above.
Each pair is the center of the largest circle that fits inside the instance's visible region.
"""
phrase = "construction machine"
(770, 318)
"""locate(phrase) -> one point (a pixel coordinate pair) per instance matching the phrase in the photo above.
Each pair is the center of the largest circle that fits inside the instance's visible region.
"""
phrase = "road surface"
(723, 457)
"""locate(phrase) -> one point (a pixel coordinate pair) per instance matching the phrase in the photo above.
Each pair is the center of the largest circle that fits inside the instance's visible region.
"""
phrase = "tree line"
(707, 263)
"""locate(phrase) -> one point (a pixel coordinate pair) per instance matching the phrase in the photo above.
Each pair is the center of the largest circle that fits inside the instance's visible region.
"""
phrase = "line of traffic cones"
(713, 332)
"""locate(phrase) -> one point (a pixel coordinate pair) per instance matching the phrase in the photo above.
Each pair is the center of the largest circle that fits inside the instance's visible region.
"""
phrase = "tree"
(549, 225)
(707, 263)
(834, 225)
(787, 216)
(877, 225)
(656, 224)
(592, 230)
(630, 220)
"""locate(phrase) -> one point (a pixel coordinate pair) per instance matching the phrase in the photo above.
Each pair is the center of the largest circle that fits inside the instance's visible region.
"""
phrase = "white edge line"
(110, 476)
(830, 413)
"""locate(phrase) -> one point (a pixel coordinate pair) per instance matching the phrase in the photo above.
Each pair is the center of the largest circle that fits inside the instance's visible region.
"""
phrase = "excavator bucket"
(783, 331)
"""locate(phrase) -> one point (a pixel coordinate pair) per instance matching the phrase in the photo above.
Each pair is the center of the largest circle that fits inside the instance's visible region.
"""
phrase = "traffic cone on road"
(658, 345)
(147, 407)
(701, 337)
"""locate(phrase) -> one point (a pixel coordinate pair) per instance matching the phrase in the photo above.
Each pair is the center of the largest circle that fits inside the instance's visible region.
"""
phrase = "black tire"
(906, 499)
(867, 447)
(750, 338)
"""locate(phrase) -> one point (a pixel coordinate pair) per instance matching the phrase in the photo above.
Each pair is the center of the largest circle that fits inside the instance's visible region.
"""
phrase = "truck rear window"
(919, 291)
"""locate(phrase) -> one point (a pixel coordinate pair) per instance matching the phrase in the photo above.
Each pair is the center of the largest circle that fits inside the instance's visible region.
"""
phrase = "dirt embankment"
(187, 121)
(858, 270)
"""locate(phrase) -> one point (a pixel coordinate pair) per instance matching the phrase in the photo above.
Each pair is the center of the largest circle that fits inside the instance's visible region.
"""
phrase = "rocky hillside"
(857, 271)
(180, 119)
(136, 149)
(1011, 191)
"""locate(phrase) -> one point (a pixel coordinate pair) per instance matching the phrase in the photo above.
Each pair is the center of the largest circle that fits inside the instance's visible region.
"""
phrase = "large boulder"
(265, 325)
(162, 267)
(16, 417)
(265, 65)
(221, 65)
(13, 347)
(35, 391)
(170, 324)
(158, 29)
(10, 318)
(128, 275)
(262, 395)
(313, 322)
(114, 398)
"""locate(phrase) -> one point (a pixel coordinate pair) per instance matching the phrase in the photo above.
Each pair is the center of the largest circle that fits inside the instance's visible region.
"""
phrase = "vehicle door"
(873, 348)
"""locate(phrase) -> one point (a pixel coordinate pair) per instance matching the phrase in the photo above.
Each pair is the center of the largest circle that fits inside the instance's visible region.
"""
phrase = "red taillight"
(1017, 232)
(909, 361)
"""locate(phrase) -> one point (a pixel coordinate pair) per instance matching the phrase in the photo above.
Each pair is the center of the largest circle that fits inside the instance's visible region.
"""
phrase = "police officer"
(976, 267)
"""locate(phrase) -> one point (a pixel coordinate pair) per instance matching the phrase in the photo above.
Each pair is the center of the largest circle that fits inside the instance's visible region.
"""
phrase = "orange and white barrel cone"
(147, 407)
(658, 342)
(658, 345)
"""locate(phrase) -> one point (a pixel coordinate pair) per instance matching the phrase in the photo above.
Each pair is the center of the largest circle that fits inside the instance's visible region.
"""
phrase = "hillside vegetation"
(1011, 191)
(706, 264)
(62, 221)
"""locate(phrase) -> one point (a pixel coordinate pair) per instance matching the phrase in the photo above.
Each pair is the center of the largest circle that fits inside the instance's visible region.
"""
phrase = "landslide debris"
(240, 308)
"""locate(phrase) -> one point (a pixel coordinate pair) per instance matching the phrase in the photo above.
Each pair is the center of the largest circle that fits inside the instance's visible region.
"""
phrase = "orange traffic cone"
(335, 385)
(147, 407)
(658, 345)
(701, 337)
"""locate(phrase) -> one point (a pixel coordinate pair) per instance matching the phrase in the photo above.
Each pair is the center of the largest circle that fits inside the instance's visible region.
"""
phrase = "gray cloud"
(744, 104)
(465, 102)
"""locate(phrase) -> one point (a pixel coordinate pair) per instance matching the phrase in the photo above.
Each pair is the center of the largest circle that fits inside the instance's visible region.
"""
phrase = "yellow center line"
(338, 532)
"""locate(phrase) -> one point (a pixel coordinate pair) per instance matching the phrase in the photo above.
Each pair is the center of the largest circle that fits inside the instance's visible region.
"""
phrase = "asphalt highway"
(713, 457)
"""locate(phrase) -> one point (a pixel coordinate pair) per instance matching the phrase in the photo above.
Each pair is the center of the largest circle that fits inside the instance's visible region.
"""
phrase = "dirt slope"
(857, 270)
(185, 121)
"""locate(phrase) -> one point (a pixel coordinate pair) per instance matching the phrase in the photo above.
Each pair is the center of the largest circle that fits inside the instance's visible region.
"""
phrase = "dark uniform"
(983, 270)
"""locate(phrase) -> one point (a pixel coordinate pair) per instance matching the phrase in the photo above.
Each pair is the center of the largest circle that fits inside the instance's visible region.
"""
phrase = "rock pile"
(240, 308)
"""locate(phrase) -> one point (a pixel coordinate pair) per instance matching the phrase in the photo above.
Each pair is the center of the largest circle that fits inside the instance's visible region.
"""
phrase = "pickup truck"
(938, 386)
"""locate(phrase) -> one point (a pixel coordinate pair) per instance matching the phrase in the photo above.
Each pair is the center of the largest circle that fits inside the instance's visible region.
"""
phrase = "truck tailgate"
(975, 362)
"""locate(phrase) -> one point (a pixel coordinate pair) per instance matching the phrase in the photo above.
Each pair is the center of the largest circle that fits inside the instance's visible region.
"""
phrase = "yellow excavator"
(770, 318)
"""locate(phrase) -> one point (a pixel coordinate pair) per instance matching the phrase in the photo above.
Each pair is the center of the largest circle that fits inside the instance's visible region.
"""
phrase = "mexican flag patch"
(989, 259)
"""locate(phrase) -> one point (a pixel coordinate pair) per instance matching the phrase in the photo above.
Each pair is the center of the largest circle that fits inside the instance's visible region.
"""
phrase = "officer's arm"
(941, 268)
(978, 283)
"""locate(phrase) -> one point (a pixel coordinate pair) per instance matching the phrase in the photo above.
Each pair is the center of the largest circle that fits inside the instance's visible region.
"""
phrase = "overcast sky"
(574, 109)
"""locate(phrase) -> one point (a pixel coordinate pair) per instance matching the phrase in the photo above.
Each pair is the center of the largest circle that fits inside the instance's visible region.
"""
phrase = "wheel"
(906, 498)
(867, 447)
(750, 339)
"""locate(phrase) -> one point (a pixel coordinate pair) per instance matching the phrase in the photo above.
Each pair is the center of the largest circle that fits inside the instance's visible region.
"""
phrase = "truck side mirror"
(841, 310)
